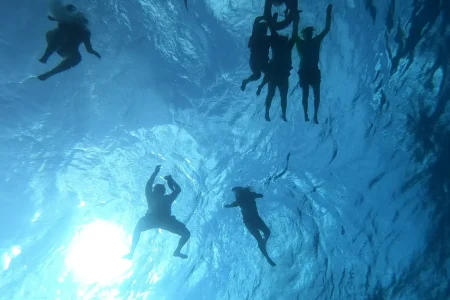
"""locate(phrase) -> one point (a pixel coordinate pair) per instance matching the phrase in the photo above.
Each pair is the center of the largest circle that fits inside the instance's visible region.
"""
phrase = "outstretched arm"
(88, 45)
(328, 23)
(234, 204)
(258, 195)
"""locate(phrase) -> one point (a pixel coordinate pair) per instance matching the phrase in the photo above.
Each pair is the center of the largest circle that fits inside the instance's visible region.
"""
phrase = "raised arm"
(294, 30)
(328, 23)
(149, 186)
(234, 204)
(298, 44)
(173, 185)
(88, 45)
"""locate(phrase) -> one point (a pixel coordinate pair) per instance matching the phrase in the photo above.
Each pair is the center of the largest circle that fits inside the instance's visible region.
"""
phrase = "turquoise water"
(360, 213)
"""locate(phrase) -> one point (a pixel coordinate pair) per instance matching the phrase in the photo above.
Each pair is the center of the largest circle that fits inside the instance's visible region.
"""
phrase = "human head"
(239, 190)
(307, 32)
(159, 189)
(261, 28)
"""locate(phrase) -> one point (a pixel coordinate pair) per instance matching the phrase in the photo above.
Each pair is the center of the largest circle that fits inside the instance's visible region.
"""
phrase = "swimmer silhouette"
(259, 44)
(309, 74)
(245, 199)
(159, 214)
(65, 40)
(279, 68)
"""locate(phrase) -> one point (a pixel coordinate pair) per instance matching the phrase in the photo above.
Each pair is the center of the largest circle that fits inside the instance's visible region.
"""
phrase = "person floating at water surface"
(279, 67)
(159, 214)
(309, 74)
(66, 39)
(245, 199)
(259, 45)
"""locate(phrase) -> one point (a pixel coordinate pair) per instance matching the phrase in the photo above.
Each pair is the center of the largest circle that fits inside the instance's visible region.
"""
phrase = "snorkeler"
(259, 44)
(159, 214)
(290, 14)
(245, 199)
(65, 40)
(279, 68)
(309, 74)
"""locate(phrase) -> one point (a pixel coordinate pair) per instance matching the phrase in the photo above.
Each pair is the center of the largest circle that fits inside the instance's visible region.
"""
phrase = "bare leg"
(65, 65)
(55, 38)
(253, 77)
(263, 83)
(269, 98)
(175, 226)
(252, 228)
(305, 89)
(263, 227)
(316, 90)
(284, 88)
(140, 227)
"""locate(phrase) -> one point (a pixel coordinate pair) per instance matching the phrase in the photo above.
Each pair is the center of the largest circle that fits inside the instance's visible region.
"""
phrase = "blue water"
(362, 211)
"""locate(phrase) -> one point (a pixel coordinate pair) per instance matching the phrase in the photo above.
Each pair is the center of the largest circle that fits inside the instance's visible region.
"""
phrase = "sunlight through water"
(95, 253)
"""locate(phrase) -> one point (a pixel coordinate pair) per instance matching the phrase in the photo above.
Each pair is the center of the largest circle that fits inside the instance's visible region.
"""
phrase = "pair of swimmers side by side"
(277, 69)
(159, 215)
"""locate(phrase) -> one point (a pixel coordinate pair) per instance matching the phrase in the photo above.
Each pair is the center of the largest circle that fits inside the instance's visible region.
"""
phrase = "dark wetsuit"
(246, 201)
(250, 215)
(292, 11)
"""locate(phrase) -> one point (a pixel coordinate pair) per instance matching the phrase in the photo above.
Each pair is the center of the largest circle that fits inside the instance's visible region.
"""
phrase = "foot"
(43, 77)
(258, 91)
(306, 118)
(43, 60)
(244, 83)
(284, 118)
(128, 256)
(267, 117)
(271, 262)
(180, 255)
(315, 120)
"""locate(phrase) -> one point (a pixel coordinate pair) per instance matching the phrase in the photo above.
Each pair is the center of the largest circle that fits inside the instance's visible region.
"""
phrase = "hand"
(158, 167)
(97, 54)
(275, 17)
(329, 8)
(168, 178)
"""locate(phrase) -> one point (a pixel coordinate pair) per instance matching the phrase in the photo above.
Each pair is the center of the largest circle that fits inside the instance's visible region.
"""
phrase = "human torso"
(248, 207)
(159, 206)
(309, 51)
(76, 34)
(281, 56)
(259, 46)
